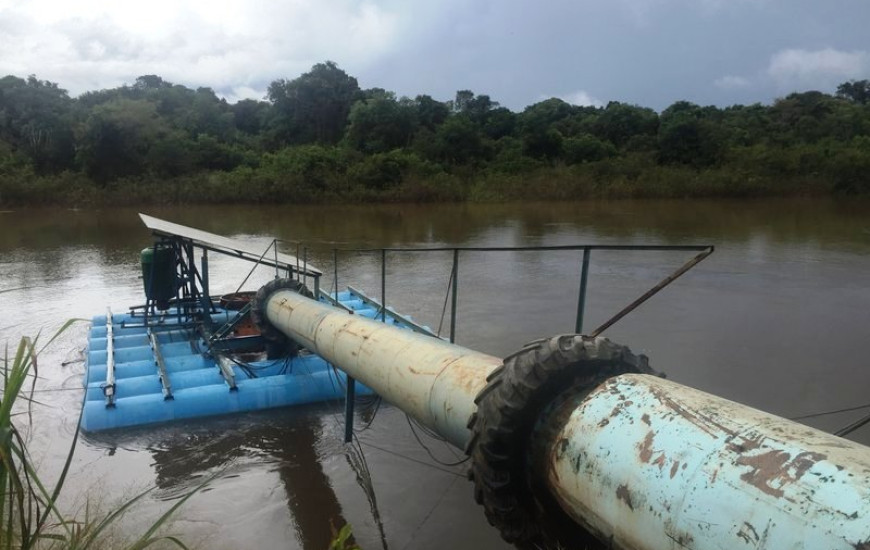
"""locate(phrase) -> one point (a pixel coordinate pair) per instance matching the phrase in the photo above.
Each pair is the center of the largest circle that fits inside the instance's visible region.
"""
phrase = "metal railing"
(703, 252)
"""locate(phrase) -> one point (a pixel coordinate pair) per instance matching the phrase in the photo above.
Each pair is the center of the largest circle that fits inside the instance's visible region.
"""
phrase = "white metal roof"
(225, 245)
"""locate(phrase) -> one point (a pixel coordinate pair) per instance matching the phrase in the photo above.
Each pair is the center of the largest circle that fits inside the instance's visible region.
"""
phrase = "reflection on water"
(285, 442)
(777, 318)
(114, 232)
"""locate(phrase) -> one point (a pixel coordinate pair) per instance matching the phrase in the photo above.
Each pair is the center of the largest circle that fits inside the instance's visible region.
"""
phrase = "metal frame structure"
(703, 252)
(193, 301)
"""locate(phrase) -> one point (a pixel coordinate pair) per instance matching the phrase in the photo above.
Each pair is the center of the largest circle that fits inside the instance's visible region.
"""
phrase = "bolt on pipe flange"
(517, 393)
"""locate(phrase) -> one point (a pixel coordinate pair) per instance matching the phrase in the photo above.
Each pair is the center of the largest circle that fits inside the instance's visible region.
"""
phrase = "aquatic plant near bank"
(635, 177)
(29, 514)
(342, 539)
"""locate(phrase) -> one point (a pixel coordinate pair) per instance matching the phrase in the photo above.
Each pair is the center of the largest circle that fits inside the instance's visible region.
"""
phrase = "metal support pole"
(349, 397)
(191, 270)
(652, 292)
(305, 265)
(454, 293)
(254, 267)
(581, 301)
(205, 296)
(335, 270)
(181, 309)
(204, 274)
(275, 244)
(384, 285)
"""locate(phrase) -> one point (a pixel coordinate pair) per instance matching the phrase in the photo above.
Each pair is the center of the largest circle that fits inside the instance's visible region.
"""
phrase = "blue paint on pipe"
(645, 462)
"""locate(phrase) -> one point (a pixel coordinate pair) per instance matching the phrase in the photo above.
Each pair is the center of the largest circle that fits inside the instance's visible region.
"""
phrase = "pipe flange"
(517, 393)
(280, 343)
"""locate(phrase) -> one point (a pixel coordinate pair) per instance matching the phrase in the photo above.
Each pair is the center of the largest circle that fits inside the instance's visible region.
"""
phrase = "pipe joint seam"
(260, 304)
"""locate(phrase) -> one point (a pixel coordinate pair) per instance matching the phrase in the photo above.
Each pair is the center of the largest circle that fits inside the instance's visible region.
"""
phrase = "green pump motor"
(159, 274)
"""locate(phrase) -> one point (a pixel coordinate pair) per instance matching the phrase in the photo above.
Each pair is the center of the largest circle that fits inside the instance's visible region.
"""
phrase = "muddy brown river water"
(776, 318)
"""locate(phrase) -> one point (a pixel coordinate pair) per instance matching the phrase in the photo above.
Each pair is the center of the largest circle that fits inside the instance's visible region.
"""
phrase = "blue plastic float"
(183, 355)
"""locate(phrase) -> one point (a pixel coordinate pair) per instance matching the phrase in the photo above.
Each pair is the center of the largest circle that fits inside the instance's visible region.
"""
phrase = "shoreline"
(555, 184)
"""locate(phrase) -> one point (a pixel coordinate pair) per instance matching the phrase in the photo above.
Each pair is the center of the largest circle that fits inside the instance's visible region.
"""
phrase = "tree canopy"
(153, 128)
(314, 107)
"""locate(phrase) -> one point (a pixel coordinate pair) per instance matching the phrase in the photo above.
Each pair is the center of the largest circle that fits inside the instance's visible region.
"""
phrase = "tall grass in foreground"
(29, 516)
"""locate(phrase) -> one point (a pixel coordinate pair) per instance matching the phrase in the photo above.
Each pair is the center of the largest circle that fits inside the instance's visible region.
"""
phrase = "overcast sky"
(648, 52)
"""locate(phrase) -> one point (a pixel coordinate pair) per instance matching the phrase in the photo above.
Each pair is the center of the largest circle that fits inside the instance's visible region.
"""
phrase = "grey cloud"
(95, 40)
(820, 67)
(649, 52)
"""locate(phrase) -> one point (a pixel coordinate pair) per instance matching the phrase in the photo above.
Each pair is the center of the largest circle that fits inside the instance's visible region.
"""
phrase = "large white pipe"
(432, 380)
(640, 462)
(649, 464)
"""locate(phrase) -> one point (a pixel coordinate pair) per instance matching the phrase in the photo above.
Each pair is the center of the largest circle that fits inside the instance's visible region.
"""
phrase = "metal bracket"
(161, 365)
(349, 397)
(227, 327)
(109, 388)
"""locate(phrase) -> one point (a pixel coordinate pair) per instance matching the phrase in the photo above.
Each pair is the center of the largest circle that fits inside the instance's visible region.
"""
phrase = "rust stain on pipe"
(774, 469)
(673, 467)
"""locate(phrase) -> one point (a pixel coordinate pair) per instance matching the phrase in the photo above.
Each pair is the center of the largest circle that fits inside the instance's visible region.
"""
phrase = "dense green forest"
(319, 137)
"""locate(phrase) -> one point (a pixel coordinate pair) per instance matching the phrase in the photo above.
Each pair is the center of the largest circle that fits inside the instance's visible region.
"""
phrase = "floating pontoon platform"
(190, 359)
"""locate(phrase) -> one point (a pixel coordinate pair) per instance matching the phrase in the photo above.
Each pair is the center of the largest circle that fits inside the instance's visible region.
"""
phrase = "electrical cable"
(815, 415)
(411, 459)
(429, 452)
(337, 380)
(378, 401)
(356, 459)
(429, 514)
(846, 430)
(426, 430)
(251, 370)
(367, 401)
(437, 437)
(370, 409)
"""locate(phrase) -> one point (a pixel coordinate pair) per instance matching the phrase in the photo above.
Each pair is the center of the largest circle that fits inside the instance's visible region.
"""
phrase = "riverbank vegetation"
(321, 138)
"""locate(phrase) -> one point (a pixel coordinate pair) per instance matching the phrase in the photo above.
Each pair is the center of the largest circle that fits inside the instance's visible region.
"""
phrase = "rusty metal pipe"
(649, 464)
(432, 380)
(640, 462)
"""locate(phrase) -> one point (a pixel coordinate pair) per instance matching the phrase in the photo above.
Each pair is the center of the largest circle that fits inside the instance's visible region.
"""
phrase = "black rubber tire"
(277, 343)
(517, 393)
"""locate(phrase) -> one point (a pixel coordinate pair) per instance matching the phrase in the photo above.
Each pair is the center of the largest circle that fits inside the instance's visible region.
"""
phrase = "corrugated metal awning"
(225, 245)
